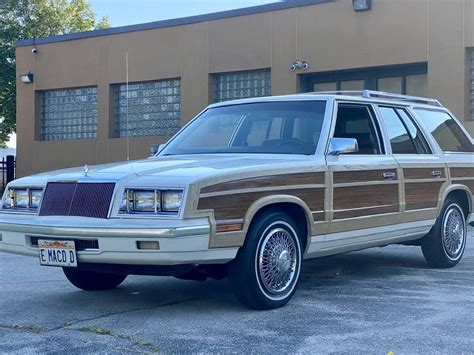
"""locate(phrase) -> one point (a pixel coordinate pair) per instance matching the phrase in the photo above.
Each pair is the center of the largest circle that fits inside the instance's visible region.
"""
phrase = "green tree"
(20, 19)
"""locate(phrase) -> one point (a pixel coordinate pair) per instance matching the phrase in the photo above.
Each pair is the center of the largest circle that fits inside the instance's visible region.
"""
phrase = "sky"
(12, 142)
(129, 12)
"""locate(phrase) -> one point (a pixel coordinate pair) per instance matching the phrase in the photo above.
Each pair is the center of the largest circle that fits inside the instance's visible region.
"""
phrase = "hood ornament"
(86, 170)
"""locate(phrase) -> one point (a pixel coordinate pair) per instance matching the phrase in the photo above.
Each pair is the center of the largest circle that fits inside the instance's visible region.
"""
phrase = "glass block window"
(154, 108)
(471, 84)
(69, 114)
(241, 85)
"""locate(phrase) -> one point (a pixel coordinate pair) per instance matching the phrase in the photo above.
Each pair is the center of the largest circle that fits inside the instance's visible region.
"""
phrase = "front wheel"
(266, 271)
(444, 246)
(93, 281)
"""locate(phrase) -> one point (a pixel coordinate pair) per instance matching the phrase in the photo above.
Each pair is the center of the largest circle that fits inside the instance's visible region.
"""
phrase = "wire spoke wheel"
(278, 261)
(453, 232)
(267, 268)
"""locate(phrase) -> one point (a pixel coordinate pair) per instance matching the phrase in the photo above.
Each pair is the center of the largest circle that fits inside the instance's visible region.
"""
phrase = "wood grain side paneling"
(420, 195)
(423, 173)
(235, 206)
(319, 216)
(365, 212)
(369, 196)
(344, 177)
(462, 173)
(470, 185)
(267, 181)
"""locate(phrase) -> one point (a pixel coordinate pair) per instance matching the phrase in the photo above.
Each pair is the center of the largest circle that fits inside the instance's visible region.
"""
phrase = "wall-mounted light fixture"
(299, 64)
(361, 5)
(27, 78)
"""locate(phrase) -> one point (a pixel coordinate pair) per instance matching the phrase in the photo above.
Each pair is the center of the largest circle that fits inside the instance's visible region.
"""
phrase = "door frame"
(375, 163)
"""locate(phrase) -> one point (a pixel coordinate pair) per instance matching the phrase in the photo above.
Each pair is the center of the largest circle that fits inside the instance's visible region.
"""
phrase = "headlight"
(151, 201)
(171, 200)
(35, 198)
(29, 199)
(21, 199)
(145, 201)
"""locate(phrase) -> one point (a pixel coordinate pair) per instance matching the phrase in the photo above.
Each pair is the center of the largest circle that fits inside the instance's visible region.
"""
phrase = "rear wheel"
(445, 244)
(267, 268)
(93, 281)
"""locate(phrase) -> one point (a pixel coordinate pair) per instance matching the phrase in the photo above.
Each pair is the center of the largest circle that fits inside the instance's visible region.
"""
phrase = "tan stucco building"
(76, 110)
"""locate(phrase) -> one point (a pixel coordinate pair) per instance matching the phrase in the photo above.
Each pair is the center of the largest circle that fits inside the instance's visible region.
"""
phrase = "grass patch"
(25, 327)
(97, 330)
(108, 332)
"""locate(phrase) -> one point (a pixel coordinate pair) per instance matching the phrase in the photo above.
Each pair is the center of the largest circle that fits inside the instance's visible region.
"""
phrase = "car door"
(365, 185)
(424, 173)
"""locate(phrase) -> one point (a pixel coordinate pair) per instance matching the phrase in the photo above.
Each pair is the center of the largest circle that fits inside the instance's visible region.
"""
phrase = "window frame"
(381, 137)
(417, 126)
(326, 126)
(432, 141)
(402, 78)
(413, 120)
(215, 83)
(470, 101)
(115, 129)
(370, 75)
(39, 118)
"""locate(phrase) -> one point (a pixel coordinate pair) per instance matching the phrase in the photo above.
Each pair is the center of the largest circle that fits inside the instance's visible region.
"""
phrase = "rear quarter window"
(446, 131)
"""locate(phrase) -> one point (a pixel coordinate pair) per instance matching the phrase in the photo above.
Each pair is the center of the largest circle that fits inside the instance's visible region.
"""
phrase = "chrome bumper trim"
(83, 227)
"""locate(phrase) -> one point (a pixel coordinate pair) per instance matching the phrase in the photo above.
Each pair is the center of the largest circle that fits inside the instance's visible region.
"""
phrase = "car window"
(400, 139)
(445, 131)
(258, 132)
(356, 121)
(291, 127)
(276, 128)
(419, 140)
(218, 133)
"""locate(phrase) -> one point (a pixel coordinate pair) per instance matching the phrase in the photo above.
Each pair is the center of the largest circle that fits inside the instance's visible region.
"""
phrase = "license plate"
(57, 253)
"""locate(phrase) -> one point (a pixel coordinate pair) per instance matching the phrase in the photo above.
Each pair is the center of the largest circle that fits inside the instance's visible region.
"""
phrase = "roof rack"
(369, 94)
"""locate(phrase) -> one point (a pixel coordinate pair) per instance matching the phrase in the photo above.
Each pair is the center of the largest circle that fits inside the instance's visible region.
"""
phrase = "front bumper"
(180, 241)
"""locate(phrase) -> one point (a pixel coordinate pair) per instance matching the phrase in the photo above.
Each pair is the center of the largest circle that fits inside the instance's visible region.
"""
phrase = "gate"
(7, 171)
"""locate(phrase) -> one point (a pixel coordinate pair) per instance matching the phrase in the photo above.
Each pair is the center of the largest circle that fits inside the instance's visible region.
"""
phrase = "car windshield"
(291, 127)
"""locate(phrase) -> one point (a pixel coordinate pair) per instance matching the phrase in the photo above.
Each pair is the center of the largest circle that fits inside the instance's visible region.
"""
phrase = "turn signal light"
(148, 245)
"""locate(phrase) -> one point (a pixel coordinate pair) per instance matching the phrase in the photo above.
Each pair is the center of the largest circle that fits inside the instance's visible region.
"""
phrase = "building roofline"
(172, 22)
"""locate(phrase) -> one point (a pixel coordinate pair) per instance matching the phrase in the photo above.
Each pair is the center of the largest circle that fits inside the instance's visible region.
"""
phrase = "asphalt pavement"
(374, 301)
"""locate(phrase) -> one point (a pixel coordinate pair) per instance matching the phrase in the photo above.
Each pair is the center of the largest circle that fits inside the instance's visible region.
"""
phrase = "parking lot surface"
(375, 301)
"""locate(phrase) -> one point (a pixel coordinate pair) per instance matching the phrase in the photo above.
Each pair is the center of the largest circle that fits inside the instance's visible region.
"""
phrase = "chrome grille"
(77, 199)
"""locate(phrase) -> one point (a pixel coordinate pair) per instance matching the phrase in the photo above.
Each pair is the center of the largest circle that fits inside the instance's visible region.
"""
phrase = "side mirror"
(155, 149)
(339, 146)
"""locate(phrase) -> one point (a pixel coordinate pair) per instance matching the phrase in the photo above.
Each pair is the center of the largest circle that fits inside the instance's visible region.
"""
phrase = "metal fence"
(7, 171)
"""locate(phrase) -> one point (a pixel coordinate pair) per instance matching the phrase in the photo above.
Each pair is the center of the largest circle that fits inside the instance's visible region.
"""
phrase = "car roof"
(365, 96)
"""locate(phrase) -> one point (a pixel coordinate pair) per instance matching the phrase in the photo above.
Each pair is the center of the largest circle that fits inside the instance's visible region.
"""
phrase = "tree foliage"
(21, 19)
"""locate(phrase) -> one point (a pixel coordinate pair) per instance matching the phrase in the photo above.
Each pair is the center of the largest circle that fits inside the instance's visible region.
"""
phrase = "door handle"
(436, 174)
(389, 175)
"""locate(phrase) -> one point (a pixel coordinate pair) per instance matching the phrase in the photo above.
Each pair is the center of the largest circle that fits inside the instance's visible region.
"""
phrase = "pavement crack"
(40, 330)
(106, 315)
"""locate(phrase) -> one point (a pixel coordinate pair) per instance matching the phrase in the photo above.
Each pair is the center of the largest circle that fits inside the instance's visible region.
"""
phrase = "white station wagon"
(250, 188)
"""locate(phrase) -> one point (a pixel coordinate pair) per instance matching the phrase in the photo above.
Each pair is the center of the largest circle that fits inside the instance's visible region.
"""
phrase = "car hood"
(174, 170)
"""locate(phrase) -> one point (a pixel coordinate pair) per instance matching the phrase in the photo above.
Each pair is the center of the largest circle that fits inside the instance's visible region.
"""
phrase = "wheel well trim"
(268, 201)
(461, 188)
